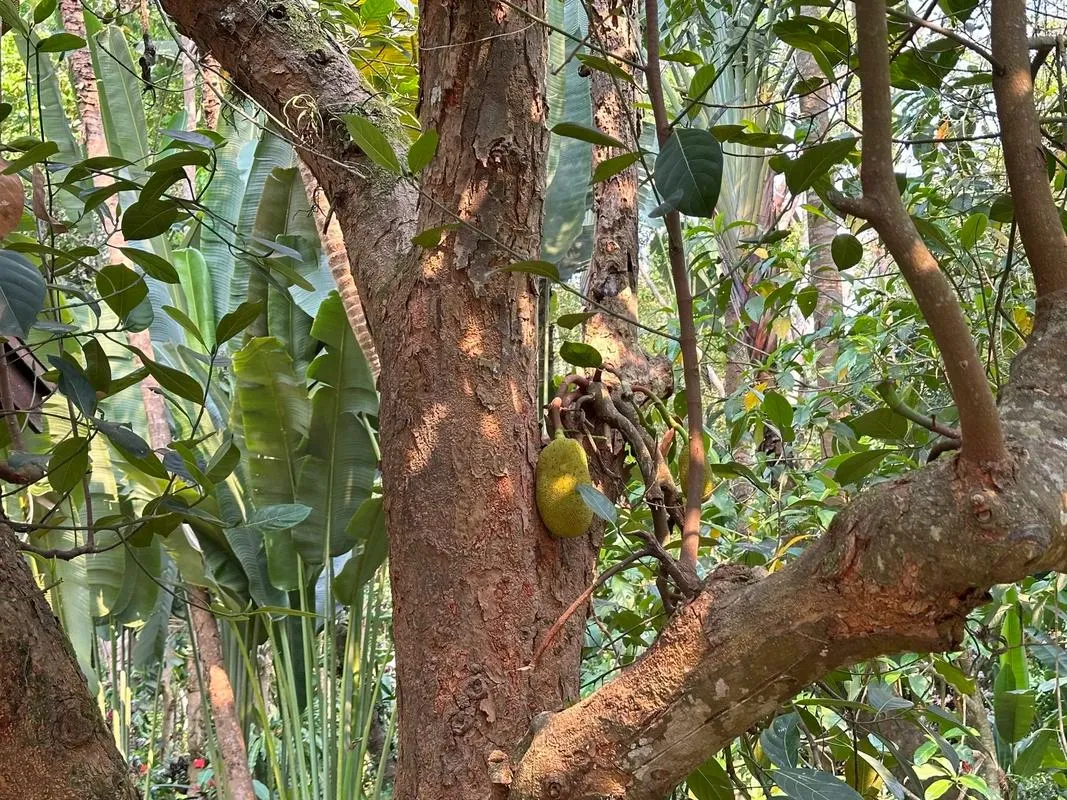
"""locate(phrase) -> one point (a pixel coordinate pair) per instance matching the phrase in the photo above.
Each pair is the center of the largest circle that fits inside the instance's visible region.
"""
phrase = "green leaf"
(601, 64)
(97, 365)
(224, 461)
(372, 142)
(781, 740)
(22, 294)
(153, 265)
(703, 80)
(69, 462)
(124, 438)
(937, 788)
(170, 379)
(34, 155)
(236, 321)
(580, 354)
(858, 466)
(60, 43)
(710, 782)
(431, 237)
(585, 133)
(569, 321)
(611, 167)
(780, 412)
(954, 676)
(846, 250)
(881, 423)
(146, 219)
(187, 324)
(367, 527)
(43, 10)
(74, 384)
(815, 162)
(810, 784)
(121, 288)
(973, 229)
(422, 151)
(598, 503)
(688, 172)
(546, 269)
(279, 517)
(807, 300)
(884, 700)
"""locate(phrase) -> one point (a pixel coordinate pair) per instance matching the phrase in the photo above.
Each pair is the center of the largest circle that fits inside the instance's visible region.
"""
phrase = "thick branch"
(983, 437)
(899, 570)
(279, 54)
(1024, 157)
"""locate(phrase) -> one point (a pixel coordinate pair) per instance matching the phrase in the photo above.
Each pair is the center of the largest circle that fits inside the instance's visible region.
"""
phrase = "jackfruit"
(561, 468)
(683, 475)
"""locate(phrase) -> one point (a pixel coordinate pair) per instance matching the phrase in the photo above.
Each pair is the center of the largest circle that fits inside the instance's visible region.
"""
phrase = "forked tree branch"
(1024, 157)
(983, 436)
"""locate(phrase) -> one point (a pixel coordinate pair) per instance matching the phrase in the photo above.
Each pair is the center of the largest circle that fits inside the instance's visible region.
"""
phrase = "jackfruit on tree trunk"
(561, 468)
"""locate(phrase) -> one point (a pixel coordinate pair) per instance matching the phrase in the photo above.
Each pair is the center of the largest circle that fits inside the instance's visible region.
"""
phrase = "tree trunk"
(54, 744)
(814, 107)
(475, 577)
(228, 736)
(333, 244)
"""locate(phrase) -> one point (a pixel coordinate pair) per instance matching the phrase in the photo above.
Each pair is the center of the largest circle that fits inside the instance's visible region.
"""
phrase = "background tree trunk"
(54, 744)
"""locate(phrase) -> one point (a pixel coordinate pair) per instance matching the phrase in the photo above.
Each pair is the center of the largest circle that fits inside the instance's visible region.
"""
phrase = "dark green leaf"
(688, 171)
(236, 321)
(180, 160)
(187, 324)
(367, 527)
(815, 162)
(884, 700)
(224, 461)
(280, 517)
(846, 250)
(22, 293)
(580, 354)
(601, 64)
(43, 10)
(372, 142)
(97, 365)
(810, 784)
(121, 288)
(34, 155)
(69, 462)
(147, 218)
(881, 423)
(124, 438)
(74, 384)
(858, 466)
(807, 300)
(153, 265)
(584, 133)
(781, 740)
(710, 782)
(780, 412)
(569, 321)
(546, 269)
(611, 167)
(60, 43)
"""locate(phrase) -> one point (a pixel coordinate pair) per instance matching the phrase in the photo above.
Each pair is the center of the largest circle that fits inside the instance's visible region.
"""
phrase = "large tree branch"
(279, 54)
(983, 437)
(899, 570)
(1024, 157)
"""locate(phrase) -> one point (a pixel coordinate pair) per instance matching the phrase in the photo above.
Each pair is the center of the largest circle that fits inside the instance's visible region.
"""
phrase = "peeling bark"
(54, 744)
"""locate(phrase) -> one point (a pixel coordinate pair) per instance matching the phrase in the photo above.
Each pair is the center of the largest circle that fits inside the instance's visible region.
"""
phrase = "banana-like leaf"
(337, 474)
(271, 152)
(275, 414)
(223, 199)
(568, 196)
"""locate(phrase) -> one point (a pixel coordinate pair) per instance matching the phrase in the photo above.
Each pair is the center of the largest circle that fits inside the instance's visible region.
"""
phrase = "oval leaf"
(580, 354)
(69, 462)
(572, 130)
(690, 167)
(846, 250)
(22, 293)
(598, 503)
(373, 143)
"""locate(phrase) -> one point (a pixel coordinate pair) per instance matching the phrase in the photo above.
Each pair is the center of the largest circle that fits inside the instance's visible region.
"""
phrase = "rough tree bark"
(54, 744)
(476, 580)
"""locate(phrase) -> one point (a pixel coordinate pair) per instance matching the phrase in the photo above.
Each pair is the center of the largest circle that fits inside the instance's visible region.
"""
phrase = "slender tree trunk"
(53, 743)
(333, 244)
(230, 739)
(815, 112)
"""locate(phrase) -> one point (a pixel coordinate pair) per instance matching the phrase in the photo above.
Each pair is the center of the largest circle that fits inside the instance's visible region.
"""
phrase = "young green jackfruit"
(683, 475)
(561, 467)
